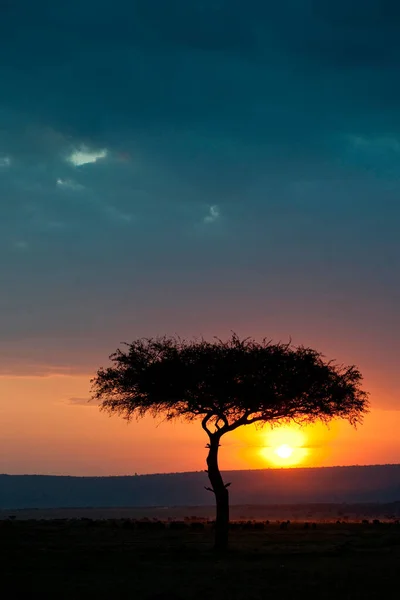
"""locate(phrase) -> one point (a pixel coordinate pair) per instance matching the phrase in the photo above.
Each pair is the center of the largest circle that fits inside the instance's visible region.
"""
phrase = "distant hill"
(369, 484)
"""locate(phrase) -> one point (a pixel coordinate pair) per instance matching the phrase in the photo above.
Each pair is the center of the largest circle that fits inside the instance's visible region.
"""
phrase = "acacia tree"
(227, 385)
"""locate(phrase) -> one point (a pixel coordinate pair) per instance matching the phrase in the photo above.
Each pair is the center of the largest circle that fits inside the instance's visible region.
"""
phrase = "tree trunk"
(221, 495)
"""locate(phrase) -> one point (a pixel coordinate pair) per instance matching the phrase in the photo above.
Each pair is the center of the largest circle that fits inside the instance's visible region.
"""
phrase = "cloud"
(5, 161)
(83, 402)
(375, 144)
(69, 184)
(117, 215)
(213, 214)
(283, 115)
(21, 245)
(21, 365)
(84, 156)
(380, 154)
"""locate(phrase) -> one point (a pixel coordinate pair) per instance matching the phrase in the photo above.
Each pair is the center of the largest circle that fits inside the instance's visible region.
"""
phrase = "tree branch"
(253, 420)
(225, 427)
(244, 419)
(204, 423)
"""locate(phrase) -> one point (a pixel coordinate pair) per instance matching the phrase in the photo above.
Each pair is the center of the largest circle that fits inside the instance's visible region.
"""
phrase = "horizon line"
(293, 468)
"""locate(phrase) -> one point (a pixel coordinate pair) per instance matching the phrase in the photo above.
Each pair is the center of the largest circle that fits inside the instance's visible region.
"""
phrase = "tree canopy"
(228, 384)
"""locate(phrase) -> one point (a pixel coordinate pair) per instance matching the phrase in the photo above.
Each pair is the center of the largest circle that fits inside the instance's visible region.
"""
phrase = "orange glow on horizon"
(47, 426)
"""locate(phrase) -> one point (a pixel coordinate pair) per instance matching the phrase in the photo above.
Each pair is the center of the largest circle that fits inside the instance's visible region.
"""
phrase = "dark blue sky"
(247, 177)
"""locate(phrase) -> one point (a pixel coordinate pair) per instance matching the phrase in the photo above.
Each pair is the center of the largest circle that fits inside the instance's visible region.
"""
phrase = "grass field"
(115, 559)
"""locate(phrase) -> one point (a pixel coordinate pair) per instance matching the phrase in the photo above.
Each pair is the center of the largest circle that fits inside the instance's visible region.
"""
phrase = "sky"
(194, 168)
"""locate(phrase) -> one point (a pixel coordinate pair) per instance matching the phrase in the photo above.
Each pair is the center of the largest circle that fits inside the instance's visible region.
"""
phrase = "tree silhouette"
(227, 385)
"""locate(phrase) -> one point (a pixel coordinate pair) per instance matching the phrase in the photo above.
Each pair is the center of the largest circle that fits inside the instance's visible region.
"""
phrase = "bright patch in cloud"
(69, 184)
(5, 161)
(213, 214)
(84, 156)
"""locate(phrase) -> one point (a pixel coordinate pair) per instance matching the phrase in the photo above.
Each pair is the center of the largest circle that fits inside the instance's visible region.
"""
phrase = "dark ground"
(114, 559)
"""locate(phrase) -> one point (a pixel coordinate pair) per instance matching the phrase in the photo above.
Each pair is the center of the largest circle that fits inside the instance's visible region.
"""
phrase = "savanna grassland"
(122, 558)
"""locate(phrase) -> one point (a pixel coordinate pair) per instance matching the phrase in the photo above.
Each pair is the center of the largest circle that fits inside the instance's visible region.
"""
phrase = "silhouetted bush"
(165, 596)
(177, 525)
(144, 525)
(196, 526)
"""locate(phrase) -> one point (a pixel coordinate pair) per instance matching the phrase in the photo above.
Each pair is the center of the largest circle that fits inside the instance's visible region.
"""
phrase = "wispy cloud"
(5, 161)
(69, 184)
(95, 199)
(20, 246)
(378, 154)
(83, 402)
(84, 156)
(213, 214)
(115, 214)
(376, 144)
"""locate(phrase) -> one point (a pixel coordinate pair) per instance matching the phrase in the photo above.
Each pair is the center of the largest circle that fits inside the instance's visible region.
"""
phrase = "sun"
(285, 447)
(284, 451)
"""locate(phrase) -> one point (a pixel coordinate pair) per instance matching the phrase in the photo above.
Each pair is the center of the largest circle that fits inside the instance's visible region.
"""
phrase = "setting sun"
(285, 447)
(284, 451)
